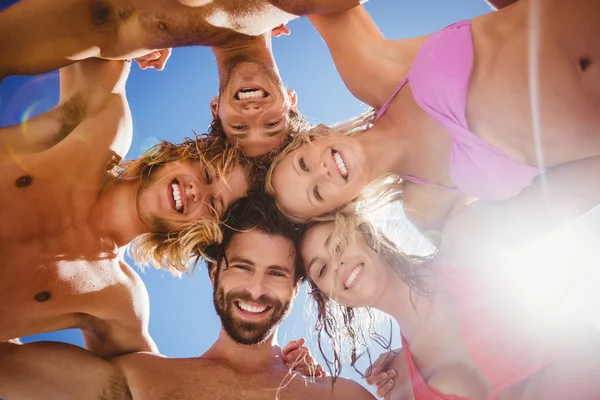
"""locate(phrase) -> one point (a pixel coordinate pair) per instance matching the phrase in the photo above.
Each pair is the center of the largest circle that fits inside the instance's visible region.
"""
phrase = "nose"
(325, 173)
(252, 108)
(196, 192)
(256, 286)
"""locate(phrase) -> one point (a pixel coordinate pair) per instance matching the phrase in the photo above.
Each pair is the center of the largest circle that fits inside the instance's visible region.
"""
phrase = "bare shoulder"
(120, 317)
(50, 370)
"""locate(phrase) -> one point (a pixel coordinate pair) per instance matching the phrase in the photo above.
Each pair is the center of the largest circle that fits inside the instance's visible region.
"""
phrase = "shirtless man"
(65, 215)
(255, 280)
(43, 37)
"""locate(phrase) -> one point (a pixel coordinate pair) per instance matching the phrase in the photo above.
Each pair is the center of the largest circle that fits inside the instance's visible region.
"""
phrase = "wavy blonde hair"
(173, 250)
(376, 194)
(344, 330)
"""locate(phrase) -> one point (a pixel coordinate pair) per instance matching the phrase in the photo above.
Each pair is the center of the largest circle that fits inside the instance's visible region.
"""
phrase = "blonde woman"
(477, 110)
(469, 330)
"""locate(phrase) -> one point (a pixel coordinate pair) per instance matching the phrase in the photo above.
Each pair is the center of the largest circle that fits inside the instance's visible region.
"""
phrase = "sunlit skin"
(309, 182)
(260, 266)
(130, 29)
(260, 275)
(506, 295)
(526, 66)
(332, 274)
(257, 124)
(202, 191)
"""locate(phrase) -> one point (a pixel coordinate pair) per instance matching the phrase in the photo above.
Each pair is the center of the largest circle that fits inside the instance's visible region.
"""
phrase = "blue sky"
(170, 104)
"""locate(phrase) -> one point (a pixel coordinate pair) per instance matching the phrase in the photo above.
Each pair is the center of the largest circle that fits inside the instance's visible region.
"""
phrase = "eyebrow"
(242, 260)
(239, 136)
(278, 268)
(275, 133)
(221, 202)
(316, 258)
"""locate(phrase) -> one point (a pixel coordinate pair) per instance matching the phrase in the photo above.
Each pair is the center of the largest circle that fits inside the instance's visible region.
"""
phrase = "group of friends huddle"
(487, 131)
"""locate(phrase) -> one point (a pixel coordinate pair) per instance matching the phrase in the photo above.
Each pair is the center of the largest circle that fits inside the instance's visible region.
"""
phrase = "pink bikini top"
(420, 389)
(439, 79)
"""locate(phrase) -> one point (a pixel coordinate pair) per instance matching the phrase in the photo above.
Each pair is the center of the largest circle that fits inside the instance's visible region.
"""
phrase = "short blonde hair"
(376, 194)
(173, 250)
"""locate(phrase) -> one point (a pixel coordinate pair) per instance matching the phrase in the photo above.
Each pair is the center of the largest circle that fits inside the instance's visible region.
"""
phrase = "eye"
(239, 127)
(272, 124)
(317, 194)
(278, 274)
(212, 203)
(241, 266)
(322, 271)
(303, 164)
(208, 176)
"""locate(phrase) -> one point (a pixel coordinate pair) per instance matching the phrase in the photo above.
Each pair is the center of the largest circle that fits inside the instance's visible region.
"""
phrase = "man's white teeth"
(353, 275)
(177, 197)
(245, 94)
(340, 164)
(250, 308)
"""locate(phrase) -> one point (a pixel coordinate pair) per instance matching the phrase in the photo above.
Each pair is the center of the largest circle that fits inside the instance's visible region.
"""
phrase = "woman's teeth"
(250, 308)
(340, 164)
(177, 197)
(353, 275)
(245, 94)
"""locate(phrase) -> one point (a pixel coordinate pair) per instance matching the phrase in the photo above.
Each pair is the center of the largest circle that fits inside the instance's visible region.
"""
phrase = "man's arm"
(125, 309)
(370, 65)
(84, 87)
(39, 36)
(48, 370)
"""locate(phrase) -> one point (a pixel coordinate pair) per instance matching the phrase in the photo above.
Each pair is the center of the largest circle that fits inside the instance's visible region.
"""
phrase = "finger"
(142, 64)
(293, 345)
(385, 389)
(381, 378)
(155, 55)
(292, 355)
(299, 355)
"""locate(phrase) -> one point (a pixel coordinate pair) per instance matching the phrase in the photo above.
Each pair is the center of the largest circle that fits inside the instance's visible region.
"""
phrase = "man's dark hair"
(255, 212)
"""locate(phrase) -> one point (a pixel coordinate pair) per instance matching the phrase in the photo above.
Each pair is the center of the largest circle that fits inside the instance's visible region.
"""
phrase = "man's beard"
(232, 64)
(246, 332)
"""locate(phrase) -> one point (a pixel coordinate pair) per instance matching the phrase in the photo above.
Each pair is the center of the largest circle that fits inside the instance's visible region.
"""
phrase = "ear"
(214, 107)
(213, 272)
(293, 98)
(297, 287)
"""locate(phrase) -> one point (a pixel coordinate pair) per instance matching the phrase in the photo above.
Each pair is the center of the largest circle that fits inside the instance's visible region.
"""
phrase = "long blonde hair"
(173, 250)
(376, 194)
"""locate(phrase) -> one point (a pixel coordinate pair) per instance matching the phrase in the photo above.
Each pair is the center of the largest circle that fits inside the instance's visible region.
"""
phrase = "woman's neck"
(405, 305)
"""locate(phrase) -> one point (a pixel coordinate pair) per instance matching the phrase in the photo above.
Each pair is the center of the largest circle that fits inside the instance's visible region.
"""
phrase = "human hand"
(297, 357)
(280, 30)
(380, 375)
(156, 59)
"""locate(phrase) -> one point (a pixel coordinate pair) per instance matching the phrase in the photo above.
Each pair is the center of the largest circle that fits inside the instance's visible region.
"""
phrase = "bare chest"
(527, 89)
(41, 292)
(50, 258)
(194, 380)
